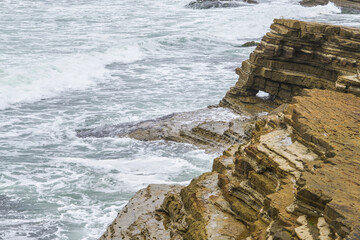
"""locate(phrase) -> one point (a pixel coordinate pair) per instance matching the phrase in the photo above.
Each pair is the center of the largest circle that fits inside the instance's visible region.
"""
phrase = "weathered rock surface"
(215, 128)
(250, 44)
(334, 133)
(141, 217)
(296, 55)
(302, 161)
(297, 177)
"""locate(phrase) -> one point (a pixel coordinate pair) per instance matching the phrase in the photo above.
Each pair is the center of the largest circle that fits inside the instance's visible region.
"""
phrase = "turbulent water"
(71, 64)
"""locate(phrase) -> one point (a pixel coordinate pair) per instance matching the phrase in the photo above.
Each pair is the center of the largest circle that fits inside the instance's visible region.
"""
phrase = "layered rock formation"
(298, 175)
(202, 127)
(296, 55)
(298, 178)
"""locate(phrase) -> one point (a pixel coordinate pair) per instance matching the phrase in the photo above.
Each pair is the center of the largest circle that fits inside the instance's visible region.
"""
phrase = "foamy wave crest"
(250, 26)
(329, 8)
(138, 173)
(35, 81)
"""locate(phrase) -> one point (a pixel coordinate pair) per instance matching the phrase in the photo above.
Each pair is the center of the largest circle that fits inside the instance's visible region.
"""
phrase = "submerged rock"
(347, 10)
(211, 128)
(206, 4)
(250, 44)
(312, 3)
(346, 5)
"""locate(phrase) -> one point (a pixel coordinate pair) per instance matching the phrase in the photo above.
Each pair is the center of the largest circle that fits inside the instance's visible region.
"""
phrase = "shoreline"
(274, 185)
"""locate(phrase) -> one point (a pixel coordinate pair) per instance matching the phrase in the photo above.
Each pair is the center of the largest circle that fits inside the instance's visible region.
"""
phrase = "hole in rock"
(265, 95)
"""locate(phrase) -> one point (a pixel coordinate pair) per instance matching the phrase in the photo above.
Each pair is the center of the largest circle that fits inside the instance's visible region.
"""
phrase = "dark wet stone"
(122, 129)
(250, 44)
(346, 10)
(312, 3)
(206, 4)
(196, 127)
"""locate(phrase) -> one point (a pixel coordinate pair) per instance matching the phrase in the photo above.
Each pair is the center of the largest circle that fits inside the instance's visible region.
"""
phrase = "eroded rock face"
(297, 177)
(334, 133)
(141, 218)
(295, 55)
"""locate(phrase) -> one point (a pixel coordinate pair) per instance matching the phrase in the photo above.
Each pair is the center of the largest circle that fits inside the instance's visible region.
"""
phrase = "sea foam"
(48, 78)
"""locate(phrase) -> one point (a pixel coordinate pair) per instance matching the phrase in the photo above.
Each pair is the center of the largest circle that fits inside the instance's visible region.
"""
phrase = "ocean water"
(70, 64)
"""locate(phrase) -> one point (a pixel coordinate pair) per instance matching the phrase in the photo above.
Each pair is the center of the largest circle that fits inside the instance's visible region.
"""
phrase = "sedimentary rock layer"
(298, 178)
(298, 175)
(140, 216)
(296, 55)
(202, 127)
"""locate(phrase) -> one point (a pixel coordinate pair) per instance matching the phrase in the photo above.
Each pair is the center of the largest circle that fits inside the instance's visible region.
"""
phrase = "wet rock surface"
(207, 4)
(313, 3)
(141, 217)
(215, 128)
(348, 5)
(250, 44)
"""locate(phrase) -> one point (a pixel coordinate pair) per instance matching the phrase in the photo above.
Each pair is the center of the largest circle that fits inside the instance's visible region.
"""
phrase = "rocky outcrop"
(296, 55)
(206, 4)
(296, 176)
(250, 44)
(141, 218)
(211, 128)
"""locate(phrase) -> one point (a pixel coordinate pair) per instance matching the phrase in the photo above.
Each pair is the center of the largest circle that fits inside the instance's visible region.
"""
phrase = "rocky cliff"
(298, 175)
(296, 55)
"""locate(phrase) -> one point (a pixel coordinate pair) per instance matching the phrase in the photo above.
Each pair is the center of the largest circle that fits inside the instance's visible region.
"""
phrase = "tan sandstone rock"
(141, 218)
(296, 55)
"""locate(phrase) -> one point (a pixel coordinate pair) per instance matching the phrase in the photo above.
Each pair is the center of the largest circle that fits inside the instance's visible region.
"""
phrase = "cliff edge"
(295, 55)
(298, 175)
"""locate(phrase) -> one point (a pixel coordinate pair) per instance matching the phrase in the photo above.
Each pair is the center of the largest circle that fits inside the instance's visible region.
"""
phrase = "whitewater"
(73, 64)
